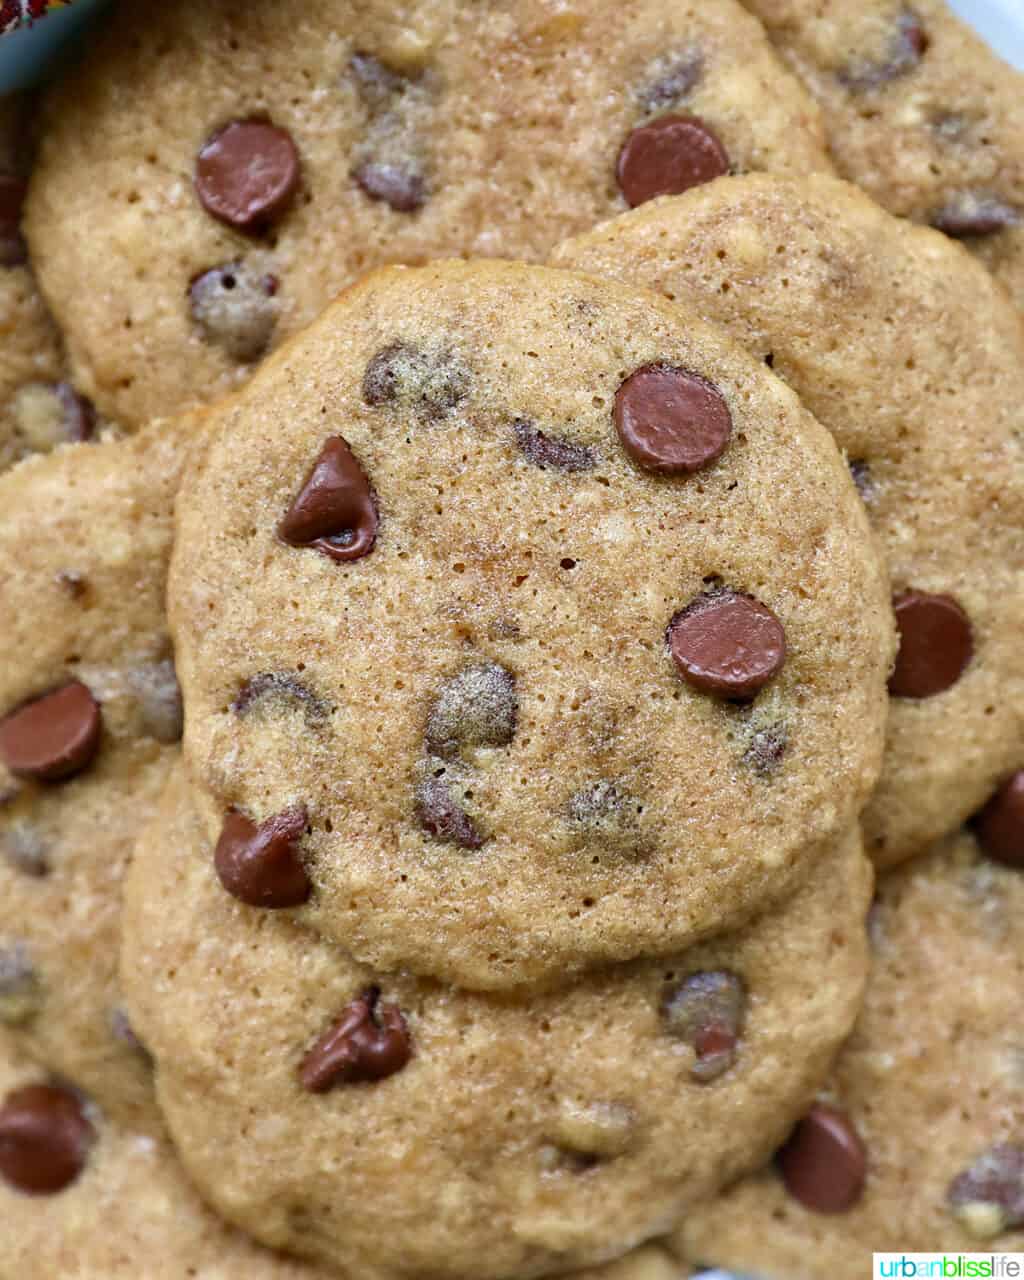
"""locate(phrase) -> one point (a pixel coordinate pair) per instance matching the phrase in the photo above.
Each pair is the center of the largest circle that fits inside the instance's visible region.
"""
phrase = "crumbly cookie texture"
(380, 133)
(920, 113)
(930, 1082)
(125, 1208)
(494, 1135)
(90, 719)
(895, 339)
(477, 694)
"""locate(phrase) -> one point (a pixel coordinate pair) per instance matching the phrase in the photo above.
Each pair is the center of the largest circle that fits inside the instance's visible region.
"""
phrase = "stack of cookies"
(513, 531)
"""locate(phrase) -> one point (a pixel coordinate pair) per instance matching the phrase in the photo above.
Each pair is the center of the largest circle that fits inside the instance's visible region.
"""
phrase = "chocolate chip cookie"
(90, 717)
(524, 622)
(920, 113)
(393, 1126)
(904, 348)
(916, 1143)
(273, 152)
(83, 1196)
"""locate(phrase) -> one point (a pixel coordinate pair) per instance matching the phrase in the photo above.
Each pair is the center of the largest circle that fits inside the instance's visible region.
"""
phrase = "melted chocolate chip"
(988, 1197)
(236, 308)
(671, 79)
(476, 708)
(604, 815)
(907, 47)
(260, 865)
(44, 1139)
(370, 1041)
(1000, 825)
(553, 453)
(671, 421)
(21, 995)
(667, 157)
(970, 214)
(727, 644)
(247, 173)
(441, 815)
(766, 750)
(13, 252)
(53, 737)
(278, 691)
(335, 511)
(396, 185)
(707, 1010)
(936, 644)
(823, 1163)
(432, 385)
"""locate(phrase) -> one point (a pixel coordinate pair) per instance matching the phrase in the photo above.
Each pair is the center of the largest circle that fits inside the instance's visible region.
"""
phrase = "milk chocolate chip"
(971, 214)
(335, 511)
(260, 865)
(44, 1139)
(370, 1041)
(707, 1010)
(988, 1197)
(667, 157)
(552, 453)
(53, 737)
(21, 996)
(935, 646)
(431, 384)
(671, 421)
(823, 1163)
(476, 708)
(1000, 825)
(907, 47)
(236, 308)
(727, 644)
(441, 815)
(247, 173)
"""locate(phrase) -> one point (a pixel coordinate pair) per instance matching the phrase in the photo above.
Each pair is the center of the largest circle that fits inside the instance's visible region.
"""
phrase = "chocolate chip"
(79, 414)
(123, 1031)
(155, 685)
(671, 421)
(370, 1041)
(667, 157)
(670, 79)
(378, 85)
(260, 865)
(23, 846)
(49, 414)
(603, 815)
(727, 644)
(441, 815)
(968, 215)
(823, 1162)
(707, 1011)
(279, 691)
(935, 644)
(860, 474)
(1000, 825)
(907, 47)
(988, 1197)
(766, 750)
(476, 708)
(52, 737)
(335, 511)
(13, 252)
(247, 173)
(236, 308)
(21, 995)
(552, 452)
(402, 188)
(44, 1139)
(432, 385)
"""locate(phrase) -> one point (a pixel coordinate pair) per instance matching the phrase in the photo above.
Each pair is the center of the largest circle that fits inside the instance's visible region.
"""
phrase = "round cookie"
(895, 339)
(920, 113)
(90, 719)
(493, 1135)
(382, 135)
(929, 1083)
(128, 1210)
(498, 700)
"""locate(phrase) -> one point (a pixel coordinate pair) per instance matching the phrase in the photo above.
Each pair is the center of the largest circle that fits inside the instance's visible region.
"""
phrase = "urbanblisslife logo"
(948, 1266)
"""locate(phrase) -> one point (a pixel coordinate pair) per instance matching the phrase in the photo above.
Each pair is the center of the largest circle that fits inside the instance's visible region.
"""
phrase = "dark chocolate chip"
(432, 385)
(476, 708)
(236, 308)
(552, 452)
(260, 865)
(727, 644)
(335, 511)
(52, 737)
(247, 173)
(370, 1041)
(935, 644)
(79, 414)
(44, 1139)
(707, 1010)
(1000, 825)
(279, 691)
(988, 1197)
(396, 185)
(13, 252)
(907, 47)
(969, 214)
(671, 421)
(21, 995)
(667, 157)
(671, 79)
(766, 749)
(441, 815)
(823, 1162)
